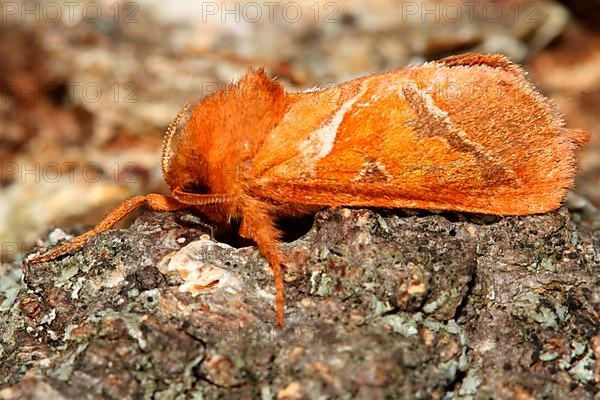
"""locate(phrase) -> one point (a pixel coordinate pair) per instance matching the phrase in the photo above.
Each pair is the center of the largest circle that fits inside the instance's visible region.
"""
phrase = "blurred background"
(88, 87)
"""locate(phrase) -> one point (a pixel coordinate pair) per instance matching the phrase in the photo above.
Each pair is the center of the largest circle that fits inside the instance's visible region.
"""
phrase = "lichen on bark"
(380, 304)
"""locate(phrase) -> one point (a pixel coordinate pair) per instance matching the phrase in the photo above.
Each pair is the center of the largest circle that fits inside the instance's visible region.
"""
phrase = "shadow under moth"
(464, 133)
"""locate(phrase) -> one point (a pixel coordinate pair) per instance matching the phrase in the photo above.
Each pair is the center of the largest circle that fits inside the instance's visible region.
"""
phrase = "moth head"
(179, 168)
(218, 143)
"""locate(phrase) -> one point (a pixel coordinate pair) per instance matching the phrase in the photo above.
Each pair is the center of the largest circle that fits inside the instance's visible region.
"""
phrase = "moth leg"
(258, 225)
(156, 202)
(245, 230)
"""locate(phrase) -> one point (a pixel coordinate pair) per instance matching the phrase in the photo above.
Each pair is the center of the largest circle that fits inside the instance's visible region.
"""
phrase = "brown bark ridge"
(380, 304)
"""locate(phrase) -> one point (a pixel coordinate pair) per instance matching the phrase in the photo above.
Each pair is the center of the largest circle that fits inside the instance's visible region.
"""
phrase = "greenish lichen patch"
(10, 284)
(417, 312)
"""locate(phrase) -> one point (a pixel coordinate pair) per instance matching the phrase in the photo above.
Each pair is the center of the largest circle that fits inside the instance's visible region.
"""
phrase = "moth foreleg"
(259, 226)
(156, 202)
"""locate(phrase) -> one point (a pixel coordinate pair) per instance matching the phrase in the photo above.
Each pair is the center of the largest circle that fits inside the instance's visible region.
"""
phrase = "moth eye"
(196, 187)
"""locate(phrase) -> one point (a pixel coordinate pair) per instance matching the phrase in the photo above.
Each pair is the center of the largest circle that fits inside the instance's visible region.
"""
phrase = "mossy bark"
(379, 305)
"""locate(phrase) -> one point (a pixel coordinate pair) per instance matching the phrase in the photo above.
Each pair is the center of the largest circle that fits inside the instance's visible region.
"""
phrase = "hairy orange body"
(464, 133)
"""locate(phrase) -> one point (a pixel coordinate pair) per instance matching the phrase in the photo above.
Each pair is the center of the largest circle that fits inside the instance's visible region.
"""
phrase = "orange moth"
(465, 133)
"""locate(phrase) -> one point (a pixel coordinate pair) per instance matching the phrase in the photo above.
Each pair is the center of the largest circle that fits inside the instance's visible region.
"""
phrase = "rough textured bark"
(379, 305)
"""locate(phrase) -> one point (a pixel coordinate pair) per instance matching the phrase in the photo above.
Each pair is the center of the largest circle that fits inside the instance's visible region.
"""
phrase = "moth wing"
(405, 139)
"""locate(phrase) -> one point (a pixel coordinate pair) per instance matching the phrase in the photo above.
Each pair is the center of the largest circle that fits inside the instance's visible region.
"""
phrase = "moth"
(464, 133)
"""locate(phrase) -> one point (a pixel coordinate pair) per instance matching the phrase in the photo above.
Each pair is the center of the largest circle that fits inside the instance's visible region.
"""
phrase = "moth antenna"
(166, 153)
